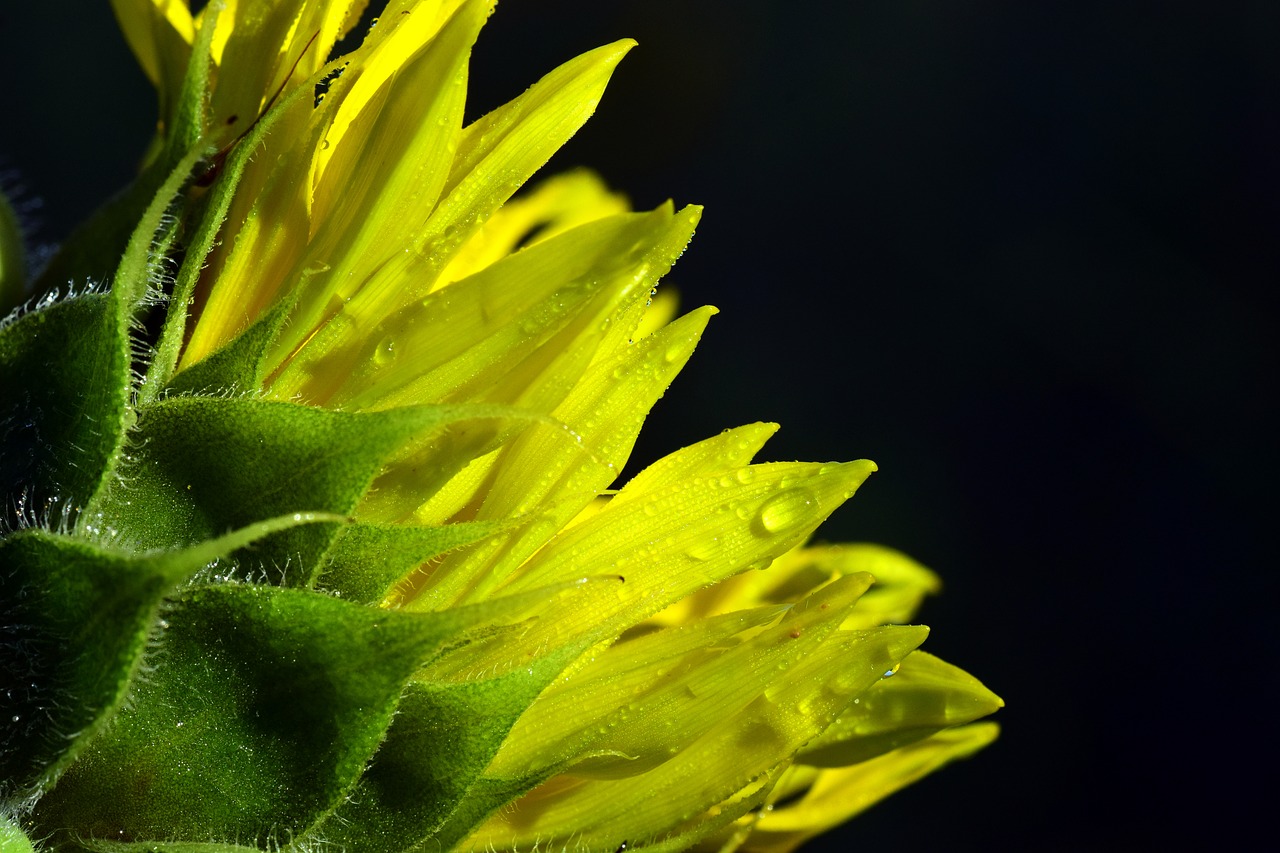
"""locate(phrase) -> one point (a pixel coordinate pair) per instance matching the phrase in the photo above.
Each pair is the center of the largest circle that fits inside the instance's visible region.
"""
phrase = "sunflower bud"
(337, 555)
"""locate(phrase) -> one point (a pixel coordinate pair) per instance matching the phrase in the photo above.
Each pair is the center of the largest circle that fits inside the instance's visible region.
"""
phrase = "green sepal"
(240, 365)
(204, 465)
(12, 838)
(151, 238)
(64, 377)
(162, 847)
(189, 114)
(925, 696)
(421, 785)
(367, 559)
(483, 798)
(78, 619)
(443, 737)
(264, 713)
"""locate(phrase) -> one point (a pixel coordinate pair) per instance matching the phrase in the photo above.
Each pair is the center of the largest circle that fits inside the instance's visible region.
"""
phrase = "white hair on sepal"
(22, 515)
(161, 266)
(39, 302)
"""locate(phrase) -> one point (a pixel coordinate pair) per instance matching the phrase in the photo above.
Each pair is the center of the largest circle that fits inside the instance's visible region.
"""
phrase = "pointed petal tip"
(906, 639)
(612, 53)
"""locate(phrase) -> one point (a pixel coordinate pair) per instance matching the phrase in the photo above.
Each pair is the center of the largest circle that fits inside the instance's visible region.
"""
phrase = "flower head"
(347, 563)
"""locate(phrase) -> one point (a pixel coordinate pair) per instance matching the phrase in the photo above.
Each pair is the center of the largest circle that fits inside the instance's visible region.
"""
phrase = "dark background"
(1020, 254)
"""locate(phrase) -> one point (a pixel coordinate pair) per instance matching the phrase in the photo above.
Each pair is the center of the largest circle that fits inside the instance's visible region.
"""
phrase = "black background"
(1020, 254)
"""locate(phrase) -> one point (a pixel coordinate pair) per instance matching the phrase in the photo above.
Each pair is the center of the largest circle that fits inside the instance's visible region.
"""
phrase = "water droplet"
(385, 352)
(704, 550)
(888, 673)
(324, 143)
(784, 511)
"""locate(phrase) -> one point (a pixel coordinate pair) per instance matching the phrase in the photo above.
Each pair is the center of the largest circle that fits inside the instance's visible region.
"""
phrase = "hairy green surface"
(63, 395)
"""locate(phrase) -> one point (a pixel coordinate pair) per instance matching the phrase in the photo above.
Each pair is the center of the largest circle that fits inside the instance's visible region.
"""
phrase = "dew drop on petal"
(385, 352)
(784, 511)
(705, 549)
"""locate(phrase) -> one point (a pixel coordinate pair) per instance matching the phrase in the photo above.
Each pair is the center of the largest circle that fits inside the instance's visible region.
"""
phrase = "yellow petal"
(923, 697)
(271, 237)
(494, 335)
(838, 795)
(159, 33)
(683, 537)
(641, 702)
(901, 584)
(563, 471)
(678, 794)
(552, 207)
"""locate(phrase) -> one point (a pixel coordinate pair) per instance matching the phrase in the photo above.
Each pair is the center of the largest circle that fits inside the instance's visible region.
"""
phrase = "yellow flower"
(417, 393)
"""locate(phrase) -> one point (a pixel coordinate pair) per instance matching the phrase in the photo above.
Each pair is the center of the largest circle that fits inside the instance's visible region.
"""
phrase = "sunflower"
(315, 533)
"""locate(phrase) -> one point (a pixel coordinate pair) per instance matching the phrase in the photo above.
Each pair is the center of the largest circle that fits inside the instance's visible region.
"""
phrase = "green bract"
(334, 558)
